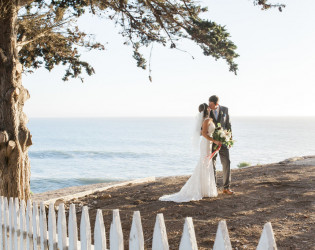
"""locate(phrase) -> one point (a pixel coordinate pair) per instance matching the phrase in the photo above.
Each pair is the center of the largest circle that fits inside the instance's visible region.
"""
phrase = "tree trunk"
(15, 138)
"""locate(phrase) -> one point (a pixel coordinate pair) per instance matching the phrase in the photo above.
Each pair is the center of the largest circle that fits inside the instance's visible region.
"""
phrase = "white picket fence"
(25, 227)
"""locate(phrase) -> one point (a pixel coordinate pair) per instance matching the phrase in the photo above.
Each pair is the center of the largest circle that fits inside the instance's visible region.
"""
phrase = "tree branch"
(25, 2)
(21, 44)
(45, 32)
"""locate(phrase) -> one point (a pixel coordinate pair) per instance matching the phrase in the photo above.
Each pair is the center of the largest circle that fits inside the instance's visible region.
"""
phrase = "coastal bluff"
(282, 193)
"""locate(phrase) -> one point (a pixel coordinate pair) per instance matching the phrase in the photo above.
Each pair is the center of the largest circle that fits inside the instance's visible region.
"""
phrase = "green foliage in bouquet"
(222, 135)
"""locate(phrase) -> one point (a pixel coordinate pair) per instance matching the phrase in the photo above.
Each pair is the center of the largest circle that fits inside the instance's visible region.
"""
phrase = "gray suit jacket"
(223, 118)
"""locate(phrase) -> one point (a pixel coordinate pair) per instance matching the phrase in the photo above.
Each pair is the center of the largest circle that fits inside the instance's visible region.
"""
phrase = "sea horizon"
(78, 151)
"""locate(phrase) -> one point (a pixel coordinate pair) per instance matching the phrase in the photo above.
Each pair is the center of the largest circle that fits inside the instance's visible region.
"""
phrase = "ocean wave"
(55, 154)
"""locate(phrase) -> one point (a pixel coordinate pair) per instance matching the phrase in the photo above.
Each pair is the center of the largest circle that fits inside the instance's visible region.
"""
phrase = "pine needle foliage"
(48, 34)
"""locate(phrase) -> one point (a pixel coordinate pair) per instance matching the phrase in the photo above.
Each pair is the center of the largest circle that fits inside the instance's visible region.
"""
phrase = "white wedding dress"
(202, 182)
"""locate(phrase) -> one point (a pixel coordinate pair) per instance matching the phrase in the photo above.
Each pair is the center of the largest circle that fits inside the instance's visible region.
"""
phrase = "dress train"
(202, 182)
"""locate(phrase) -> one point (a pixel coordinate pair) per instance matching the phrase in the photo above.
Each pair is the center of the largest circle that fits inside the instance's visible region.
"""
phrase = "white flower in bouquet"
(228, 135)
(222, 133)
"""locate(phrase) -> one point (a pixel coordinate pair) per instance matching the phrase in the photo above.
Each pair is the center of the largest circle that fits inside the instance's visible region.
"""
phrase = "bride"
(202, 182)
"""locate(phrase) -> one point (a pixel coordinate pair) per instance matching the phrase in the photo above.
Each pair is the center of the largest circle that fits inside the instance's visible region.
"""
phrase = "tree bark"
(15, 138)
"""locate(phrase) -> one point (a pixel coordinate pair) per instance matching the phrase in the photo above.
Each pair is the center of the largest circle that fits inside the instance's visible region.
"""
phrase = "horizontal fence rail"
(25, 226)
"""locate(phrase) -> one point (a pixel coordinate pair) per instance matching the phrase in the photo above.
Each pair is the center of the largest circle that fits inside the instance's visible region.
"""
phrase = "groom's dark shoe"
(228, 191)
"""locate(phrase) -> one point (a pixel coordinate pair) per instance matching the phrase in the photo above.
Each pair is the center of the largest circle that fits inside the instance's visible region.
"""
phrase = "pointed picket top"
(222, 238)
(267, 240)
(29, 225)
(160, 241)
(85, 229)
(52, 227)
(17, 206)
(73, 229)
(43, 226)
(116, 240)
(23, 230)
(188, 241)
(136, 240)
(99, 232)
(62, 227)
(16, 209)
(1, 222)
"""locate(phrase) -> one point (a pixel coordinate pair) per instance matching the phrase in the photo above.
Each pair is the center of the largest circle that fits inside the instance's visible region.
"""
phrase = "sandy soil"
(282, 193)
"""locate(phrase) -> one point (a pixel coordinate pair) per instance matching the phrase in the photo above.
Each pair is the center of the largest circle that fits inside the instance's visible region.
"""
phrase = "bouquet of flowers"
(222, 135)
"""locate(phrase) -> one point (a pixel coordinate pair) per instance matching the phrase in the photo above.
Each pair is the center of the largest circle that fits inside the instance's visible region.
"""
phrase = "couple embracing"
(202, 182)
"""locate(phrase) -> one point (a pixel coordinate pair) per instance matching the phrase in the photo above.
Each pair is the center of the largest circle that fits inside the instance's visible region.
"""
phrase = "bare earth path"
(282, 193)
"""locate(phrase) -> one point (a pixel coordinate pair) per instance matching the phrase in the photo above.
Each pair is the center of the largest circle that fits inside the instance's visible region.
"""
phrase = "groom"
(220, 114)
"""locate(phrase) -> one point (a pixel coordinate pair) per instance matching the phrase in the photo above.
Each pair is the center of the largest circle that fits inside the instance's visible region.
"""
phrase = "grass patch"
(243, 164)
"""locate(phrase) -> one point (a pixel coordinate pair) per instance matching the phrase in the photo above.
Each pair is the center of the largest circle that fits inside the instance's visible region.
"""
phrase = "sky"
(276, 70)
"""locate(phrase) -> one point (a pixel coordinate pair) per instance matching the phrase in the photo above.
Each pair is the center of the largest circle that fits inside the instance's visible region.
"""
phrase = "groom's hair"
(214, 99)
(204, 108)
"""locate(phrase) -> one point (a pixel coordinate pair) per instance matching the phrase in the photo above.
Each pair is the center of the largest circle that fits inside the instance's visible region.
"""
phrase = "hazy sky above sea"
(276, 70)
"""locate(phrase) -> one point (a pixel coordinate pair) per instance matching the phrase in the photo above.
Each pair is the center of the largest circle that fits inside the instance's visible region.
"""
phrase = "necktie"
(216, 114)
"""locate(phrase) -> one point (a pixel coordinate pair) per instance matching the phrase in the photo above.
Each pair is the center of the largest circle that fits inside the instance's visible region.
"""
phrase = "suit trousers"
(225, 161)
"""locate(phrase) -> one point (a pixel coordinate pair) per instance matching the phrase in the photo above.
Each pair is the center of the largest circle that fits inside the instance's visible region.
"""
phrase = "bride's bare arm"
(205, 126)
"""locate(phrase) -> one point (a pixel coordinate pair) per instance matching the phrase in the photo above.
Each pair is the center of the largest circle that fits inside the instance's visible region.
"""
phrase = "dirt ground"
(282, 193)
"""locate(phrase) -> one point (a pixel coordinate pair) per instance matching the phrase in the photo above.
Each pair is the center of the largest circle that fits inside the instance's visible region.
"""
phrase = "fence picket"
(62, 228)
(20, 229)
(16, 224)
(188, 240)
(116, 240)
(23, 232)
(267, 239)
(29, 226)
(160, 241)
(6, 223)
(73, 229)
(1, 223)
(85, 229)
(43, 227)
(99, 232)
(222, 238)
(35, 225)
(136, 240)
(52, 227)
(11, 224)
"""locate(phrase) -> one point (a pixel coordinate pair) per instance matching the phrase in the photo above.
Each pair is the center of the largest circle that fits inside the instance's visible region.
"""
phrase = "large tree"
(36, 33)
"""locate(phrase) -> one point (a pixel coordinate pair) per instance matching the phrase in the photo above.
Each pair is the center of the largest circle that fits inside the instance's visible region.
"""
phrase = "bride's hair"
(204, 108)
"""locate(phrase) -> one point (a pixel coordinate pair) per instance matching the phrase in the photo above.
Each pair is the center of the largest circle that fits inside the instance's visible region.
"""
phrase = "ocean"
(79, 151)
